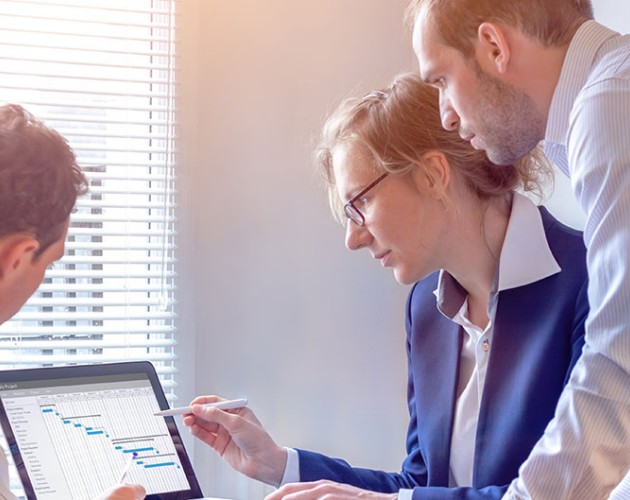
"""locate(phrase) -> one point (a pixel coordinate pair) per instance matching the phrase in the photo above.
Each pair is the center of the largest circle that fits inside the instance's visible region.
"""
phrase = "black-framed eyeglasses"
(352, 212)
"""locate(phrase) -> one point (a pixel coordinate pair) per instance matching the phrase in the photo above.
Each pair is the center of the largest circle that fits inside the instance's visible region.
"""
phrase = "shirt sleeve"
(587, 442)
(5, 492)
(292, 468)
(4, 467)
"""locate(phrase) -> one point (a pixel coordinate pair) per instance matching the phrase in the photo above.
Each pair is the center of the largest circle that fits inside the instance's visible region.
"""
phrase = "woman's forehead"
(351, 161)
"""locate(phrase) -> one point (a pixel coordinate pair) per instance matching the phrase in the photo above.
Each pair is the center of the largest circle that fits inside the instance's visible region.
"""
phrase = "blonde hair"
(396, 126)
(551, 22)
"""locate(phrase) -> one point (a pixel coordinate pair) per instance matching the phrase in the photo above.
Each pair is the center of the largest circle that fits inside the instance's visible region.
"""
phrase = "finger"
(211, 415)
(292, 490)
(138, 491)
(124, 492)
(222, 441)
(294, 495)
(217, 441)
(202, 400)
(191, 420)
(276, 495)
(203, 435)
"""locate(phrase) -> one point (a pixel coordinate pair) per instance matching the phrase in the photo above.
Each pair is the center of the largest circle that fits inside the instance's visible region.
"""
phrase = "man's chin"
(500, 157)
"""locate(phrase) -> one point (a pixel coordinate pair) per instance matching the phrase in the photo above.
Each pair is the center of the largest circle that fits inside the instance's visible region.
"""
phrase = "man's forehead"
(426, 45)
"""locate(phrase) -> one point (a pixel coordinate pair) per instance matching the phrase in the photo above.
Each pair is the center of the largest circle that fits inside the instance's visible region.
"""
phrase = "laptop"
(75, 431)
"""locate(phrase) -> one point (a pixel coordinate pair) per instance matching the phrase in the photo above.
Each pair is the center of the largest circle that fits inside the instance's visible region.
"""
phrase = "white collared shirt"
(524, 239)
(585, 451)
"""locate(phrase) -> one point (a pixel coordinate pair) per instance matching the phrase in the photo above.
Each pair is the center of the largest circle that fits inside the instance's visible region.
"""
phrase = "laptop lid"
(72, 430)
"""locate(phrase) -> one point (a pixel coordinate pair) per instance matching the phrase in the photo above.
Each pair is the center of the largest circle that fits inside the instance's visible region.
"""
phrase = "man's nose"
(450, 119)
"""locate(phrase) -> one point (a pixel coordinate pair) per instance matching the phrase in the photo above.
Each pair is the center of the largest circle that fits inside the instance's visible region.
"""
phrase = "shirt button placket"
(485, 345)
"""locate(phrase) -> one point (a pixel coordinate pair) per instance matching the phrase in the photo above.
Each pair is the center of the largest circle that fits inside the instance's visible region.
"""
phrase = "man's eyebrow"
(425, 74)
(426, 69)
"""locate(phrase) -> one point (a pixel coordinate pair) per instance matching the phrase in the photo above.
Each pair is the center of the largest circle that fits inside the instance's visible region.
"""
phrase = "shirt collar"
(525, 236)
(524, 239)
(577, 64)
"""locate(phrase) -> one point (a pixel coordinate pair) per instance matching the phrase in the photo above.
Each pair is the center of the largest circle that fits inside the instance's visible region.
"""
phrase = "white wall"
(283, 314)
(613, 13)
(271, 304)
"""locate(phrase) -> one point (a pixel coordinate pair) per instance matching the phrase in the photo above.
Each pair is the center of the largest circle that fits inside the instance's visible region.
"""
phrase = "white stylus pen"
(221, 405)
(132, 457)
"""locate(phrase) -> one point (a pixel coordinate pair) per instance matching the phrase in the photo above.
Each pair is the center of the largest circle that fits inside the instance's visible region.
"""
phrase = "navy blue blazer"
(538, 337)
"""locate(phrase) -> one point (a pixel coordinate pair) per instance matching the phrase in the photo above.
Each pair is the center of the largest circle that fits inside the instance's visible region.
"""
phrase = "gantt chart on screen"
(75, 443)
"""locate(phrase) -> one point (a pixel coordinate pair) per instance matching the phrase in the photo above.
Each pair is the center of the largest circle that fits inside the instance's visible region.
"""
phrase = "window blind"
(101, 72)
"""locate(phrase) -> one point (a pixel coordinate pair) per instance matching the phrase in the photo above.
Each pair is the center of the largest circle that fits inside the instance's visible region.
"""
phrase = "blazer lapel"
(436, 353)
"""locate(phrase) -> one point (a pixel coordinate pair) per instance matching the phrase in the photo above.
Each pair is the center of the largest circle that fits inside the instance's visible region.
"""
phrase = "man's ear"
(493, 48)
(16, 252)
(434, 174)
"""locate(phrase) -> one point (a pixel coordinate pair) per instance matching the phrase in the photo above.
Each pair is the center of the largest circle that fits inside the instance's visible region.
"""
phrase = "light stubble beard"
(509, 124)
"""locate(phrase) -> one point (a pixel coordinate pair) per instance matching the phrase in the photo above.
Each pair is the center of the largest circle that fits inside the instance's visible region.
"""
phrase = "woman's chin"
(407, 277)
(403, 278)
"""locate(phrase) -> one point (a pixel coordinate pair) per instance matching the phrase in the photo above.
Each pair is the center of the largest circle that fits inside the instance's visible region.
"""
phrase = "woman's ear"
(16, 252)
(493, 49)
(433, 175)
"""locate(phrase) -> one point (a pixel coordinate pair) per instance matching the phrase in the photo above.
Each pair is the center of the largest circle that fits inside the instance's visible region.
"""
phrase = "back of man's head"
(550, 22)
(39, 178)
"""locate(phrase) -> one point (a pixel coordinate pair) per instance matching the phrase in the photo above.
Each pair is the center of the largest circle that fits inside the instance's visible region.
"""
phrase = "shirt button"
(485, 345)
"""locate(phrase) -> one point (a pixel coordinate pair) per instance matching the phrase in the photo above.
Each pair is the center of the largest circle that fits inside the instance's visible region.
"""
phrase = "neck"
(535, 70)
(477, 256)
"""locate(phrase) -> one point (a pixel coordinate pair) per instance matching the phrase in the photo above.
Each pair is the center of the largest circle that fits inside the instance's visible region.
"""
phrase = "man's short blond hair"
(550, 22)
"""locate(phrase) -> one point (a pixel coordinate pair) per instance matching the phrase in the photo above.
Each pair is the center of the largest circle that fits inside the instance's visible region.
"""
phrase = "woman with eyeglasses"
(495, 318)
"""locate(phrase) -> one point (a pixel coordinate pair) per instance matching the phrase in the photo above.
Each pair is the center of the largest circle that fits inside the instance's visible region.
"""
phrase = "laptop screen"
(76, 431)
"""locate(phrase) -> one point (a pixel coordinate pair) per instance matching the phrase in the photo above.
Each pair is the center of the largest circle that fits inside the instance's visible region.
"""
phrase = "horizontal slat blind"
(101, 73)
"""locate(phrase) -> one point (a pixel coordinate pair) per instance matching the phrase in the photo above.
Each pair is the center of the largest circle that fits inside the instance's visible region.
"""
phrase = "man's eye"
(363, 200)
(436, 82)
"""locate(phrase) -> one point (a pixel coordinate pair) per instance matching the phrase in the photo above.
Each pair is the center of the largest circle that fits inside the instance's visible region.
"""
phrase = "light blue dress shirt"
(585, 450)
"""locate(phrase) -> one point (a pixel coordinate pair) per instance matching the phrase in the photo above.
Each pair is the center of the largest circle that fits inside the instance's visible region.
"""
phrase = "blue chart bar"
(151, 466)
(92, 433)
(138, 450)
(47, 410)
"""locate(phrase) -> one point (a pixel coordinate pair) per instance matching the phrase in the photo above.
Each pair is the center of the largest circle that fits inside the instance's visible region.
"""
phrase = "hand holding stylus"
(239, 438)
(231, 404)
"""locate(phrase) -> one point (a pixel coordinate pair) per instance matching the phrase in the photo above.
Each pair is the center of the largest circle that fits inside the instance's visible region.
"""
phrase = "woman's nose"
(357, 236)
